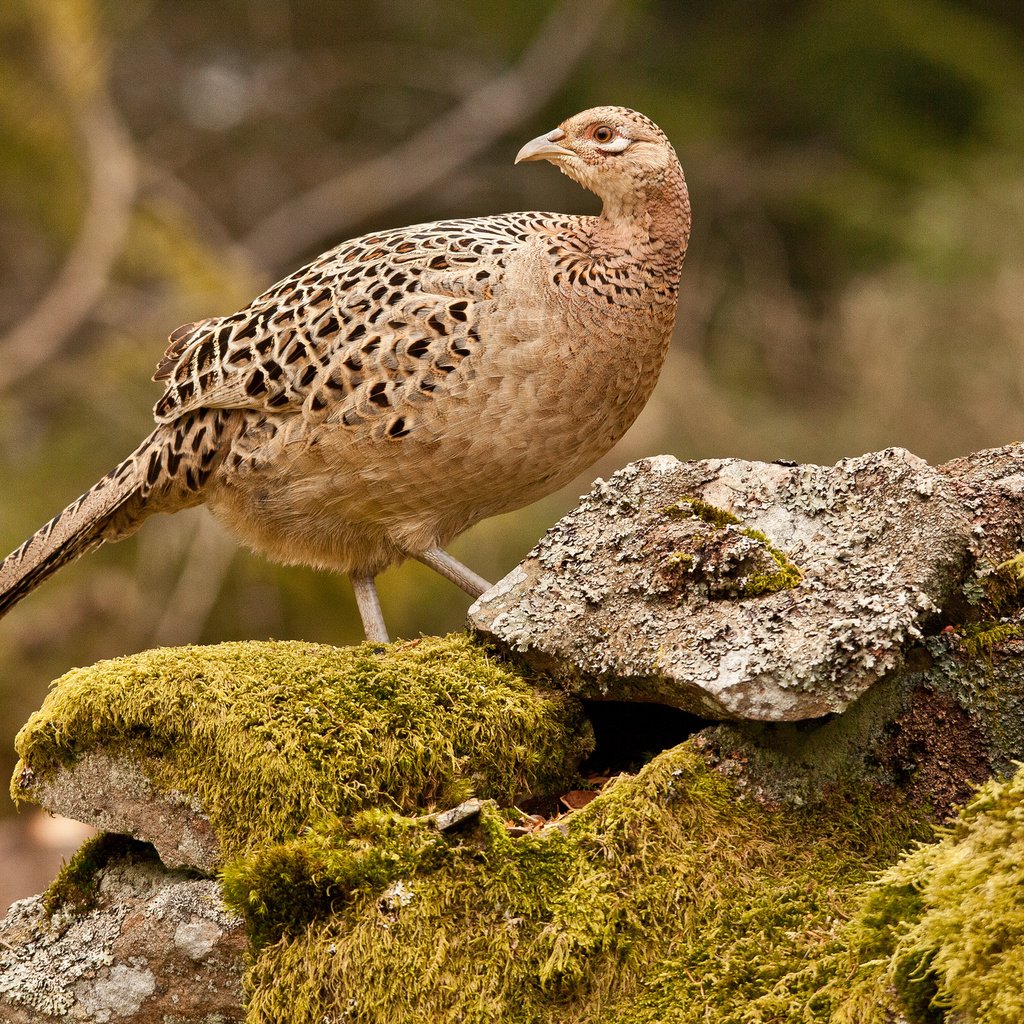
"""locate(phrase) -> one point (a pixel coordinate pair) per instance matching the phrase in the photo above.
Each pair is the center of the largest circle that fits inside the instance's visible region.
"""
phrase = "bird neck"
(657, 216)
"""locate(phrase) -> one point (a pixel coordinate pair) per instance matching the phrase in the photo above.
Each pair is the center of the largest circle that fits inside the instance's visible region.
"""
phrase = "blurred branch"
(209, 558)
(203, 221)
(419, 66)
(113, 181)
(439, 149)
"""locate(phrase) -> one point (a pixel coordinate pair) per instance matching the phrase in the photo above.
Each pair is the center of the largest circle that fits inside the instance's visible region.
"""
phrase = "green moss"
(944, 928)
(680, 560)
(782, 574)
(75, 886)
(285, 887)
(979, 639)
(785, 577)
(668, 898)
(671, 897)
(710, 514)
(273, 736)
(998, 589)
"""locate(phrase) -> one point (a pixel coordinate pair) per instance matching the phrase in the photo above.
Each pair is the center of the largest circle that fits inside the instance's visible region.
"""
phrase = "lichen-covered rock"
(123, 941)
(209, 751)
(737, 589)
(990, 485)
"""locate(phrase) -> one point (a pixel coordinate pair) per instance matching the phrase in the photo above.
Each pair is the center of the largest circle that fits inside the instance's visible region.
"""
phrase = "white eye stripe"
(617, 145)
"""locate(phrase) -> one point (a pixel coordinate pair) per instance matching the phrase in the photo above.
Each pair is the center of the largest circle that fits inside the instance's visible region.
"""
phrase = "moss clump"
(283, 888)
(1005, 585)
(785, 576)
(979, 639)
(680, 560)
(944, 928)
(997, 590)
(272, 736)
(762, 568)
(668, 897)
(710, 514)
(76, 884)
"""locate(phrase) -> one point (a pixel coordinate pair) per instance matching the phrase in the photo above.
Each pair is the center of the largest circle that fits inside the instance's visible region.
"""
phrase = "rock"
(322, 782)
(736, 589)
(153, 946)
(927, 736)
(111, 790)
(990, 485)
(208, 751)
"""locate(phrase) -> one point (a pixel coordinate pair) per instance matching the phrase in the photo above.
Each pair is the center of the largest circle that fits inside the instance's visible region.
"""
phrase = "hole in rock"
(628, 734)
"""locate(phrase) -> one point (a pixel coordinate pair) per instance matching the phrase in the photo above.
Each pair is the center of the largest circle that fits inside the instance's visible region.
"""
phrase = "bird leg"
(369, 609)
(452, 569)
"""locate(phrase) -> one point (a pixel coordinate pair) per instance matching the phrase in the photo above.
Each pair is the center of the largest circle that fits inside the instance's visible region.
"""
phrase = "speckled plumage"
(409, 383)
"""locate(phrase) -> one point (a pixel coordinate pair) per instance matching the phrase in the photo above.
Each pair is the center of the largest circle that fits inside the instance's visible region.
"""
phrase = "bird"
(408, 383)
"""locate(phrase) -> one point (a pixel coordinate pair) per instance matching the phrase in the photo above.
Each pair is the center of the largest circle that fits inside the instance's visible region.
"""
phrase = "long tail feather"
(110, 510)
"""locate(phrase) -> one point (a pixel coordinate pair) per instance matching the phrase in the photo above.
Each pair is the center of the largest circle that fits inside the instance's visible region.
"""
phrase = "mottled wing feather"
(380, 315)
(180, 340)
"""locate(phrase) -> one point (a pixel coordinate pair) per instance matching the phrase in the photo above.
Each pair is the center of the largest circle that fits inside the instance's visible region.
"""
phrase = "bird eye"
(602, 133)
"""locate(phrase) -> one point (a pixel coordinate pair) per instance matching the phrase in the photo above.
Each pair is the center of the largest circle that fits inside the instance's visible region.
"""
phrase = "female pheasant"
(406, 384)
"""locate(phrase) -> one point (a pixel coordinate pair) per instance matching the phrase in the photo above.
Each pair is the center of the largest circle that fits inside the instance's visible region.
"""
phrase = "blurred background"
(855, 277)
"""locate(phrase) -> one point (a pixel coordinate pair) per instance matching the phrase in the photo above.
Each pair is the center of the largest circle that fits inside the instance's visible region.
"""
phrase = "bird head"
(615, 152)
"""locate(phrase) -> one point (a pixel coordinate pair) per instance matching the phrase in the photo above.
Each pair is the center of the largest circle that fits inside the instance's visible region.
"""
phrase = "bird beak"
(544, 147)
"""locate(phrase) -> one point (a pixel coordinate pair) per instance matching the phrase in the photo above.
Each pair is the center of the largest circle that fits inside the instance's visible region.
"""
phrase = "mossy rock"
(674, 896)
(669, 897)
(941, 935)
(271, 737)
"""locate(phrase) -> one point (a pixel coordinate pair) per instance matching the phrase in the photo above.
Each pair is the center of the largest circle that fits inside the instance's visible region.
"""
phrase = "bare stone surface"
(157, 946)
(672, 582)
(990, 484)
(111, 790)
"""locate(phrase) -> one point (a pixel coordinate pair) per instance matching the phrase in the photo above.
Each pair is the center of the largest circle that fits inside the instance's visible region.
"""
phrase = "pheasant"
(409, 383)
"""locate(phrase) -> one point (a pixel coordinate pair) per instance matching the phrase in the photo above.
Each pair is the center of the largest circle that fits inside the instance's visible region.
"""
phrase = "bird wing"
(360, 322)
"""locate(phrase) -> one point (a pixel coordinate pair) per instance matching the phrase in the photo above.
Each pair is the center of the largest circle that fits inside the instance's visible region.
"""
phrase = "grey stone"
(112, 790)
(120, 994)
(453, 817)
(156, 946)
(990, 485)
(638, 594)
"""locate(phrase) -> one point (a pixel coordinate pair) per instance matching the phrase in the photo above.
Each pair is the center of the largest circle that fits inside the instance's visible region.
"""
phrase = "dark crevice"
(628, 734)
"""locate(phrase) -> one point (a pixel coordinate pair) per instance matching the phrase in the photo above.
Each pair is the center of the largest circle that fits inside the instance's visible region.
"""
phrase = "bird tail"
(111, 509)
